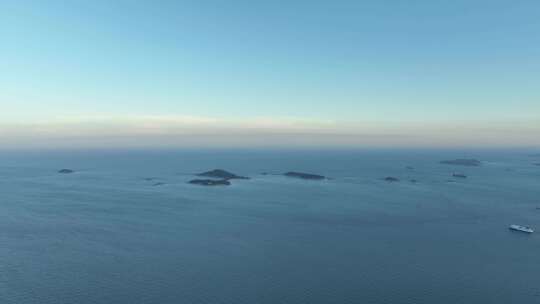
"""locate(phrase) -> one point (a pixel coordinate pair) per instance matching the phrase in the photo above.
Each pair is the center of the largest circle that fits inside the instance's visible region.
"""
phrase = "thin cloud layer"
(188, 131)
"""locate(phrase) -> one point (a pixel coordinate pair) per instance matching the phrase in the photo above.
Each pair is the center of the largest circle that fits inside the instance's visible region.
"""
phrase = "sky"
(419, 73)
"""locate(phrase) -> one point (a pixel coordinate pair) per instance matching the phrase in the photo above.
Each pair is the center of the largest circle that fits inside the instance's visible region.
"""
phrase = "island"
(536, 164)
(65, 171)
(391, 179)
(210, 182)
(460, 175)
(158, 184)
(470, 162)
(304, 175)
(221, 174)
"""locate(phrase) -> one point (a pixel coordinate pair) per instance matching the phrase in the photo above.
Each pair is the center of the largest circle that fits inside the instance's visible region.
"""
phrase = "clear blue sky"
(343, 64)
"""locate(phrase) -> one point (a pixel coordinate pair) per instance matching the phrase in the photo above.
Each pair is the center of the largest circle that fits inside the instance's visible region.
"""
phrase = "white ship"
(521, 228)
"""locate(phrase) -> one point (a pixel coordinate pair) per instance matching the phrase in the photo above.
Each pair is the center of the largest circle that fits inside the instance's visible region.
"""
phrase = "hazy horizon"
(179, 132)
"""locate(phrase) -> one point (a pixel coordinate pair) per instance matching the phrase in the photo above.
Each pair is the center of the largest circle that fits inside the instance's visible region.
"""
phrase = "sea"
(126, 227)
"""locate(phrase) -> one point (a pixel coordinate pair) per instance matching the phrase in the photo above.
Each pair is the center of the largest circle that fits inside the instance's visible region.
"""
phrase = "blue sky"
(411, 72)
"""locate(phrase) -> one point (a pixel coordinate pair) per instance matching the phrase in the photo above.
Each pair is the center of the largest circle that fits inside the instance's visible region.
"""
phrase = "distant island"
(460, 175)
(471, 162)
(65, 171)
(304, 175)
(536, 164)
(391, 179)
(218, 177)
(222, 174)
(210, 182)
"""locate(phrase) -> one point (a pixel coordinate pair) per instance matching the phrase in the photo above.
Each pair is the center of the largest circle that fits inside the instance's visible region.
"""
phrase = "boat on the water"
(521, 228)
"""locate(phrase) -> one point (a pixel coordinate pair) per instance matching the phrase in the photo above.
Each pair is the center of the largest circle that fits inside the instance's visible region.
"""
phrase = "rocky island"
(304, 175)
(210, 182)
(391, 179)
(221, 174)
(65, 171)
(470, 162)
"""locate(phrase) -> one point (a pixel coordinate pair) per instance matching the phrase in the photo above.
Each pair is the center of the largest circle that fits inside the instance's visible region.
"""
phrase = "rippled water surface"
(106, 234)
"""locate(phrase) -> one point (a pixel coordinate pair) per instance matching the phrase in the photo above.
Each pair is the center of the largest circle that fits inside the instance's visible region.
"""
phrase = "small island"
(210, 182)
(470, 162)
(222, 174)
(304, 175)
(536, 164)
(65, 171)
(460, 175)
(391, 179)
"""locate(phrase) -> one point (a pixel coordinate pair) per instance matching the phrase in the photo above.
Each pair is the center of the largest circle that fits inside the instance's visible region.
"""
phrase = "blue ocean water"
(106, 234)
